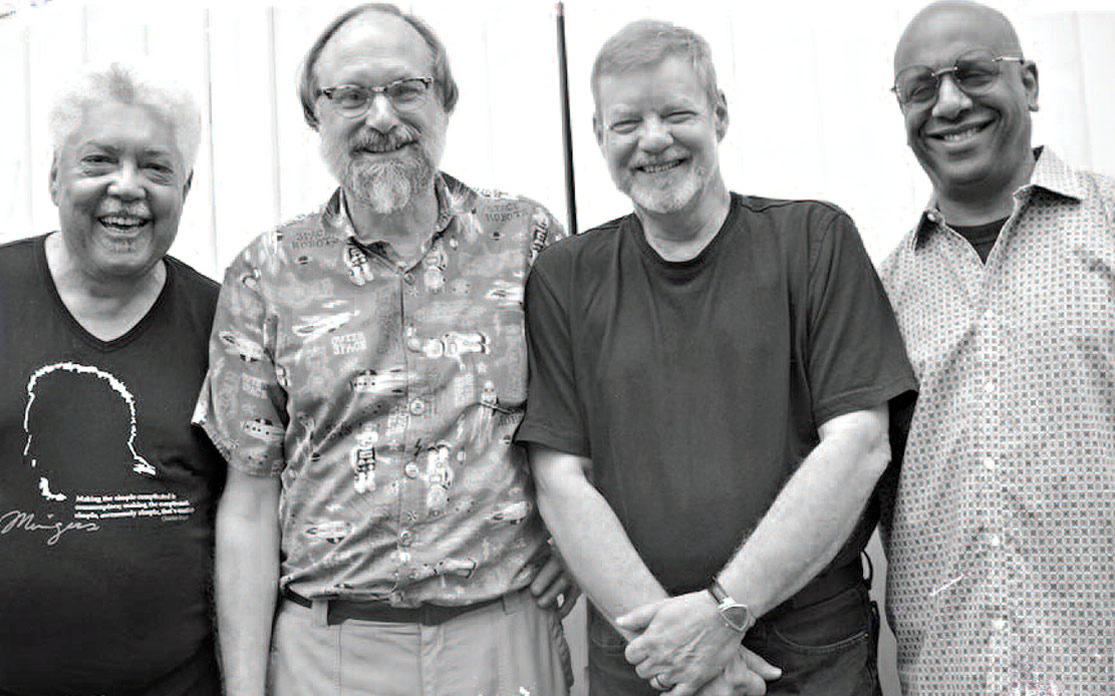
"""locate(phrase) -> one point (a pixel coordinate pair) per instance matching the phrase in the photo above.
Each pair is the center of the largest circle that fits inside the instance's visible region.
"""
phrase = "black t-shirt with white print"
(106, 492)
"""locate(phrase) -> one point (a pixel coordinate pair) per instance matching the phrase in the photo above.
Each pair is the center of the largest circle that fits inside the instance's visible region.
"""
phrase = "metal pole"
(566, 132)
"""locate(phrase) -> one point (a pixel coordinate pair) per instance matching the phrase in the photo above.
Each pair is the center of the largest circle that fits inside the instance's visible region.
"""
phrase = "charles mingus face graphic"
(81, 428)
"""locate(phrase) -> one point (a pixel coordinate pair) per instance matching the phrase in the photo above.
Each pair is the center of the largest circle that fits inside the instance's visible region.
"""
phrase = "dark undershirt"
(982, 237)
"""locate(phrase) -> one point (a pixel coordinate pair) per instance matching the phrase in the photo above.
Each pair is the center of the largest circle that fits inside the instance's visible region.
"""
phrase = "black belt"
(340, 610)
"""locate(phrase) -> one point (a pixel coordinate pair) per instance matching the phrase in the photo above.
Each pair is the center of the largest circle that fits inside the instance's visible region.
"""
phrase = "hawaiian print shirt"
(385, 396)
(1001, 537)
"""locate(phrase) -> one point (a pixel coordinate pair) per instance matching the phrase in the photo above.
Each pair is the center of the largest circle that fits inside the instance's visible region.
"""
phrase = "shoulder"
(191, 281)
(896, 264)
(805, 229)
(272, 251)
(589, 250)
(494, 207)
(791, 213)
(14, 254)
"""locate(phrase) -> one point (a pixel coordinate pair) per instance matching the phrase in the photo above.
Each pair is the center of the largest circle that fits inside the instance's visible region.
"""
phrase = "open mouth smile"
(953, 137)
(123, 223)
(658, 167)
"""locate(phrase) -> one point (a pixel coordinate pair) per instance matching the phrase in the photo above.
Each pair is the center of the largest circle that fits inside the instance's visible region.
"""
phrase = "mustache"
(377, 141)
(138, 210)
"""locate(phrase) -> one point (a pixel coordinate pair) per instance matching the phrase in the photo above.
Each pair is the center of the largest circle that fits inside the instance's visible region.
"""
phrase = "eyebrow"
(116, 149)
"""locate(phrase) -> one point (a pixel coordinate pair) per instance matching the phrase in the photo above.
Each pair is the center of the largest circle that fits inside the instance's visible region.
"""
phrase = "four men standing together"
(712, 380)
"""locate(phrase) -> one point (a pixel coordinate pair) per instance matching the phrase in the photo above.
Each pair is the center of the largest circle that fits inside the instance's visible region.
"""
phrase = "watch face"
(737, 615)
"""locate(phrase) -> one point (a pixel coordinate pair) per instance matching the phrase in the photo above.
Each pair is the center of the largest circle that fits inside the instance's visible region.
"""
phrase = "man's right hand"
(746, 675)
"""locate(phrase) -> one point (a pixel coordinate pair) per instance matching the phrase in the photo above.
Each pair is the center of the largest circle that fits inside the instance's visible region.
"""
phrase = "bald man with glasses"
(998, 527)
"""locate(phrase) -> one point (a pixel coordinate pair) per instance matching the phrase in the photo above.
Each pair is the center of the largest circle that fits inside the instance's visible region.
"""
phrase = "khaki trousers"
(508, 648)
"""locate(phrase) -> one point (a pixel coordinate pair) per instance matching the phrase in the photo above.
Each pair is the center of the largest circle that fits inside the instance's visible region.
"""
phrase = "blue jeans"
(824, 649)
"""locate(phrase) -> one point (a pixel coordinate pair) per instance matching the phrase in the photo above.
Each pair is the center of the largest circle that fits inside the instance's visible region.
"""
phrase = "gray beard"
(388, 186)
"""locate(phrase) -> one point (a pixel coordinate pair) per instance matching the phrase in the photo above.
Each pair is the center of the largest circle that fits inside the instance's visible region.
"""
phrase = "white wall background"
(806, 80)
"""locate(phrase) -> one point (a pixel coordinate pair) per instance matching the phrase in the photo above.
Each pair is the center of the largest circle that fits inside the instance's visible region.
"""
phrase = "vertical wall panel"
(243, 129)
(15, 150)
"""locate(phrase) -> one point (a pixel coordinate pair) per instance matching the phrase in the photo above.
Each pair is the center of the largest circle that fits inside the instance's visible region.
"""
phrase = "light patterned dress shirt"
(384, 394)
(1000, 538)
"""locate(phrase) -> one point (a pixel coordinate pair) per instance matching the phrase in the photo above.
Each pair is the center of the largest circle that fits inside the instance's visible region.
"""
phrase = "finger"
(683, 690)
(568, 600)
(647, 669)
(760, 666)
(639, 618)
(549, 571)
(637, 650)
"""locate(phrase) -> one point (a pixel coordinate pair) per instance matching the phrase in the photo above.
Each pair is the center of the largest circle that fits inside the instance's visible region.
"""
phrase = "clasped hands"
(684, 647)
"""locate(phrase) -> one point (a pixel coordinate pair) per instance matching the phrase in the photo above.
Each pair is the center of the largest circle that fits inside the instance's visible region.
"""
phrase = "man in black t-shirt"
(710, 371)
(106, 490)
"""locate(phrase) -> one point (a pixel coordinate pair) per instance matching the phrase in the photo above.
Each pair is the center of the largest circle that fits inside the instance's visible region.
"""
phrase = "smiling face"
(659, 134)
(387, 156)
(119, 183)
(970, 145)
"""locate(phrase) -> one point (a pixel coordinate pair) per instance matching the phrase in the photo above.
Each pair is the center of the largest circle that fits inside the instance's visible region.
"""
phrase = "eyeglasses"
(353, 101)
(974, 73)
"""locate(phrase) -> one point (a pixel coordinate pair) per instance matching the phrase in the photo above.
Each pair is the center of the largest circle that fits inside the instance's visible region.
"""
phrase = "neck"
(682, 235)
(976, 205)
(107, 307)
(404, 229)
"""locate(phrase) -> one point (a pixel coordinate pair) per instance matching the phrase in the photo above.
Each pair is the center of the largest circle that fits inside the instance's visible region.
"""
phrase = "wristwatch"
(737, 616)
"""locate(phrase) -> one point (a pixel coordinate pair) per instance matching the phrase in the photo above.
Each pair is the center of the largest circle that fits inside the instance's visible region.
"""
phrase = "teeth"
(118, 221)
(655, 168)
(966, 133)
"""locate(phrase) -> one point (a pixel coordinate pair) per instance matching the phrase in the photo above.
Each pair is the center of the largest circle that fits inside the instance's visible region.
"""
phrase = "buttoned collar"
(1050, 173)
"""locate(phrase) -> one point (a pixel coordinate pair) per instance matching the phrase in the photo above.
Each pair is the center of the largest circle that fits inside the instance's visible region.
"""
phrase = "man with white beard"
(378, 533)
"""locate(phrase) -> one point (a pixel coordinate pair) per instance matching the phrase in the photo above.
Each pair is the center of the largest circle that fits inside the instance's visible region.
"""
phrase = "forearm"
(590, 538)
(813, 516)
(247, 573)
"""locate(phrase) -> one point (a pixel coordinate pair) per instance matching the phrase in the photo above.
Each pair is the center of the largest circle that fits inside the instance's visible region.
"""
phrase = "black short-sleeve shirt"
(697, 387)
(107, 492)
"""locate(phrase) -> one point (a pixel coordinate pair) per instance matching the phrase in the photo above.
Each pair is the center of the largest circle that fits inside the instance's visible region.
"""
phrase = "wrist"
(734, 614)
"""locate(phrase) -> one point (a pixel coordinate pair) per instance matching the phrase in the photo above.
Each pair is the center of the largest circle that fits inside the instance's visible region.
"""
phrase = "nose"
(381, 113)
(951, 100)
(655, 135)
(127, 184)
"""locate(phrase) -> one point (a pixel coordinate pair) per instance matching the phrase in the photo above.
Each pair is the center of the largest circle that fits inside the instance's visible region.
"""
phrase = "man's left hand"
(683, 641)
(554, 586)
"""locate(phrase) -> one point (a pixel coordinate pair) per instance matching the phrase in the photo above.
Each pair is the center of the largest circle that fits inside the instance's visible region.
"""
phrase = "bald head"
(950, 21)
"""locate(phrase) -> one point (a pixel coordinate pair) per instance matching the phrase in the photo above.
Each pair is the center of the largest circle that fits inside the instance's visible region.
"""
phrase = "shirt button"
(417, 407)
(994, 540)
(989, 386)
(999, 625)
(989, 316)
(411, 470)
(406, 538)
(408, 277)
(989, 463)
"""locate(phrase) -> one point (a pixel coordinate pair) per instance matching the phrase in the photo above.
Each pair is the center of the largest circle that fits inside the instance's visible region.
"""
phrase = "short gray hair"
(648, 42)
(128, 84)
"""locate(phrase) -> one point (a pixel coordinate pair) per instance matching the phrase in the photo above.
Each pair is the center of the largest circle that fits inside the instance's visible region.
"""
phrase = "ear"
(721, 114)
(598, 130)
(186, 186)
(1030, 84)
(54, 179)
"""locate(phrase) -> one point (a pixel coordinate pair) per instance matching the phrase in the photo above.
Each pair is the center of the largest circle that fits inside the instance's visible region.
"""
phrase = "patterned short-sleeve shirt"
(1000, 537)
(385, 395)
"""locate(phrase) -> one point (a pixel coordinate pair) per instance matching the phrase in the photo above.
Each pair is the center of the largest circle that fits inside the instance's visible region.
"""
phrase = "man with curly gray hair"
(106, 490)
